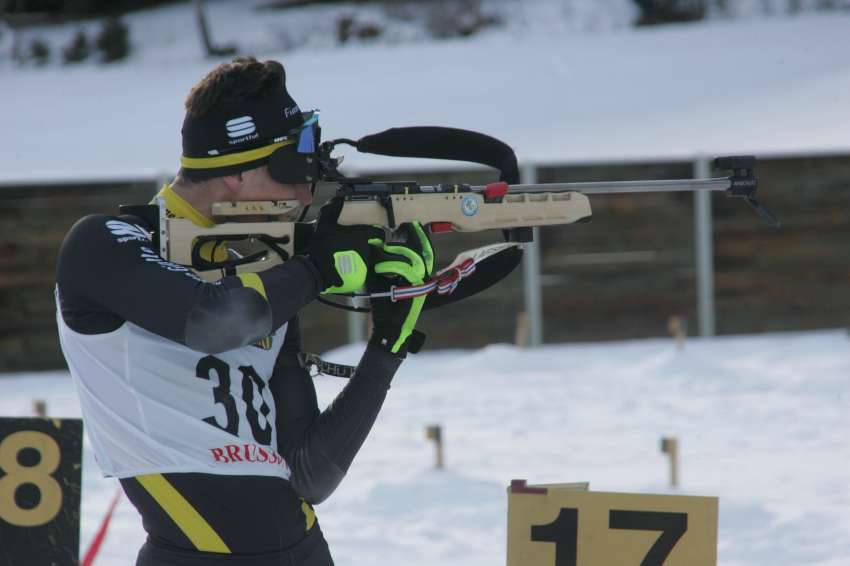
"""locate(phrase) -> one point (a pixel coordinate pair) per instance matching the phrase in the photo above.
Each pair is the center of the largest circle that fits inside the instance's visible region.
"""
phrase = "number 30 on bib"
(566, 525)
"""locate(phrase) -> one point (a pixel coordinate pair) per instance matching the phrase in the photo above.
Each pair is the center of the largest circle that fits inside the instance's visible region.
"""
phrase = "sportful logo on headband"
(241, 129)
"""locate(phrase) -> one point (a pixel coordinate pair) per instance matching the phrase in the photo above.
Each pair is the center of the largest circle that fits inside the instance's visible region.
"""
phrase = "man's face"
(257, 184)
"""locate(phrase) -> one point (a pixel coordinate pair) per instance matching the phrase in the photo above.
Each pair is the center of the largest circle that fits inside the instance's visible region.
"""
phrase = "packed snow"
(753, 86)
(762, 423)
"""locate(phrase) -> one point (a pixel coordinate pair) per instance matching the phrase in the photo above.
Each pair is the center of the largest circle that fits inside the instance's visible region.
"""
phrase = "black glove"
(410, 263)
(341, 254)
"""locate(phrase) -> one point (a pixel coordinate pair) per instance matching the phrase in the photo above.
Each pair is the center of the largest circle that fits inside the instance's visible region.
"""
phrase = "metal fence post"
(531, 274)
(704, 250)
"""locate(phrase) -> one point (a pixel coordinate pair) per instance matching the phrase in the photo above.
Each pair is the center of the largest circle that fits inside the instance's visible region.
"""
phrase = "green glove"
(409, 263)
(341, 254)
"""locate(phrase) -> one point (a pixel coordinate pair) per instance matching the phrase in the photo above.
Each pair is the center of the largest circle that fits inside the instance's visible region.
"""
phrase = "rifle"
(267, 240)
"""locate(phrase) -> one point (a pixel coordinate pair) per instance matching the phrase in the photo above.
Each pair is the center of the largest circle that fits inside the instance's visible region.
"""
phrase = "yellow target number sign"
(566, 525)
(40, 473)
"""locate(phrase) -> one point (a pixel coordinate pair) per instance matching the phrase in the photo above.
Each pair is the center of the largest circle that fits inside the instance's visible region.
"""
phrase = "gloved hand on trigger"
(341, 254)
(410, 263)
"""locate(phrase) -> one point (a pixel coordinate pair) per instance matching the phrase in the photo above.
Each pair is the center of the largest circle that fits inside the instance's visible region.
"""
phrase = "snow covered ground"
(752, 86)
(762, 422)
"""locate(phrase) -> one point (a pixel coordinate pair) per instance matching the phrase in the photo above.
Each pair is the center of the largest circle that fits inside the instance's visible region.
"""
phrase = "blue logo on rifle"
(469, 206)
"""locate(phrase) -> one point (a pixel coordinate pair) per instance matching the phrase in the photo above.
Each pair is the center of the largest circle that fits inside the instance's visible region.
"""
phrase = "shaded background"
(622, 276)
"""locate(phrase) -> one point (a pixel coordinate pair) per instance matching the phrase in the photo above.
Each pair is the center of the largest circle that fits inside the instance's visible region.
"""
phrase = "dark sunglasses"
(299, 162)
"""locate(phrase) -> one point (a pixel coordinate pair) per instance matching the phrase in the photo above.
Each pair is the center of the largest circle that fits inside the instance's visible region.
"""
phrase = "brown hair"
(243, 78)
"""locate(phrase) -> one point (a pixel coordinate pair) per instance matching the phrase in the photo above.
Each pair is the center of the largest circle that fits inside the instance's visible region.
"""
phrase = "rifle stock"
(469, 212)
(238, 223)
(262, 228)
(182, 242)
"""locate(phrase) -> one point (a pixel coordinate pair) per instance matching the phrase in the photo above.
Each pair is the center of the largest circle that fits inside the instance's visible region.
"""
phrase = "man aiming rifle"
(191, 391)
(186, 353)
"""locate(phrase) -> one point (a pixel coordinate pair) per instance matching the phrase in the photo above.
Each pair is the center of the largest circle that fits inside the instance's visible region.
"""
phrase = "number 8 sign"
(566, 525)
(40, 473)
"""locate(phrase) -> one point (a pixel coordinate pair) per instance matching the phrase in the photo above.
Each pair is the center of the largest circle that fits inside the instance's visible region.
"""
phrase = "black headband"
(238, 133)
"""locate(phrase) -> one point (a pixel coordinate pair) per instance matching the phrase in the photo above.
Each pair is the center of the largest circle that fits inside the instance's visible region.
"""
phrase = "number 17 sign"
(566, 525)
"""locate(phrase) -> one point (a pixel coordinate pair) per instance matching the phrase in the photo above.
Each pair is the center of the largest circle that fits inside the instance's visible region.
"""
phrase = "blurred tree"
(9, 31)
(78, 50)
(113, 40)
(79, 7)
(39, 52)
(347, 28)
(284, 4)
(210, 49)
(653, 12)
(458, 18)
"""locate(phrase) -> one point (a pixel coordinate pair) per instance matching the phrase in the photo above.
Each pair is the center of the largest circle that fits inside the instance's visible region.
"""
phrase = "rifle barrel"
(613, 187)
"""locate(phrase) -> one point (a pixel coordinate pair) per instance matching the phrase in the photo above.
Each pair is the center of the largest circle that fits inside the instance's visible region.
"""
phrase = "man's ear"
(233, 182)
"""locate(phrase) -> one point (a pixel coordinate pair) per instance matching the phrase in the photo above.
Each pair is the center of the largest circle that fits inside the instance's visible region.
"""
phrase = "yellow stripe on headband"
(232, 158)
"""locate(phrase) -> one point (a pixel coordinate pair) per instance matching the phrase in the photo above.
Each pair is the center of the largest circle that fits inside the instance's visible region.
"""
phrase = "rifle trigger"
(387, 202)
(441, 227)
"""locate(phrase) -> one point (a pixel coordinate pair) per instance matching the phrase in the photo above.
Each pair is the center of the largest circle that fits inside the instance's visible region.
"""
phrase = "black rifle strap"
(436, 142)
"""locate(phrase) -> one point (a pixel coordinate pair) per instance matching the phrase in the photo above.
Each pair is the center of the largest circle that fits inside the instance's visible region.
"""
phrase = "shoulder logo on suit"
(264, 344)
(125, 232)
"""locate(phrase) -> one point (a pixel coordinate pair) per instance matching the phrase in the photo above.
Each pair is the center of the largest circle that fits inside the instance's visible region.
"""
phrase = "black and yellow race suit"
(106, 280)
